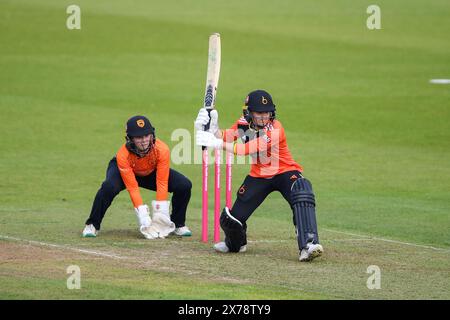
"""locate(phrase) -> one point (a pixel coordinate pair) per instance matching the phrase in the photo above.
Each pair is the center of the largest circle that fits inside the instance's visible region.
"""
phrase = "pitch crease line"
(388, 240)
(39, 243)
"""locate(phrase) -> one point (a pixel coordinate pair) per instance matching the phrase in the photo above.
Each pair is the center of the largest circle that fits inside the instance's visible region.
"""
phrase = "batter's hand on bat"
(214, 125)
(207, 139)
(202, 119)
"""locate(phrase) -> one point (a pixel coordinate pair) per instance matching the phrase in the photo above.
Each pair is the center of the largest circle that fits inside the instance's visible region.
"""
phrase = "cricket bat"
(212, 81)
(212, 74)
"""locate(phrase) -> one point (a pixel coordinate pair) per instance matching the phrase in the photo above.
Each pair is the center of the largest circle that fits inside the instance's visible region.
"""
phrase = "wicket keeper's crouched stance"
(273, 169)
(144, 161)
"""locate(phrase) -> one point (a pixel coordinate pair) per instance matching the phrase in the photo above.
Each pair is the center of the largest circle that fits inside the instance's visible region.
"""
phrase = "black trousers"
(179, 185)
(254, 191)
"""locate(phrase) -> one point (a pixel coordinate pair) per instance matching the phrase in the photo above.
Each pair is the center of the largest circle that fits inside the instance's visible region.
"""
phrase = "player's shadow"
(120, 234)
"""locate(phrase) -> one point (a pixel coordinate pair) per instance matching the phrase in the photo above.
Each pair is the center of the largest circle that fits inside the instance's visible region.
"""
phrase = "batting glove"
(214, 125)
(202, 119)
(207, 139)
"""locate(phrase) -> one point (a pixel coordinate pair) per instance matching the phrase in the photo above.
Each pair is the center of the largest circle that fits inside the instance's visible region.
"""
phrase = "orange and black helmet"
(258, 101)
(139, 126)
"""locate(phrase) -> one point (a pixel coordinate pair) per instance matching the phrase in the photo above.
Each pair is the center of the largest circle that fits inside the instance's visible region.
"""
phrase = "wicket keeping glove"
(161, 207)
(207, 139)
(143, 215)
(144, 220)
(161, 222)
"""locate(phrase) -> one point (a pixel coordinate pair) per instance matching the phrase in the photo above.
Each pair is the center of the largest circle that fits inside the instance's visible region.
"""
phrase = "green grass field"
(360, 115)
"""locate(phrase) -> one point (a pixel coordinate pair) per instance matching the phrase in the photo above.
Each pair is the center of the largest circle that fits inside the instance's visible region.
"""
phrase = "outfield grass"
(359, 112)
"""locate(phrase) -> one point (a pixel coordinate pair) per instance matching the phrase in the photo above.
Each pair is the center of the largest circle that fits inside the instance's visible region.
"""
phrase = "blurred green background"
(360, 114)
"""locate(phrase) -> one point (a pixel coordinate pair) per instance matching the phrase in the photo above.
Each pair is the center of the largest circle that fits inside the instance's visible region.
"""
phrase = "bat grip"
(206, 128)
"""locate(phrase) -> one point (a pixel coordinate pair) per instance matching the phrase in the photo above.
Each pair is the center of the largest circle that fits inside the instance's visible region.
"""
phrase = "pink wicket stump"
(205, 196)
(217, 191)
(218, 160)
(229, 160)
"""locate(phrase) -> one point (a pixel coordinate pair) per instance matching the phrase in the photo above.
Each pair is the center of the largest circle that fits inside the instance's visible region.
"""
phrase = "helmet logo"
(246, 100)
(140, 123)
(263, 100)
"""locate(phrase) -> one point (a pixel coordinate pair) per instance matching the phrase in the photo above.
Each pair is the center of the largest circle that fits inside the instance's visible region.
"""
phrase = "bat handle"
(206, 128)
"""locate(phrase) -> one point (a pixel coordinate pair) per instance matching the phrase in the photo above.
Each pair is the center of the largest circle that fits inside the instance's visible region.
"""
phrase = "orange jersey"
(130, 166)
(268, 148)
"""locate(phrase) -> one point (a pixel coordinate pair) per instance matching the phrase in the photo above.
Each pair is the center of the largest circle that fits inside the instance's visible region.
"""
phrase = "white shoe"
(222, 247)
(183, 232)
(312, 251)
(89, 231)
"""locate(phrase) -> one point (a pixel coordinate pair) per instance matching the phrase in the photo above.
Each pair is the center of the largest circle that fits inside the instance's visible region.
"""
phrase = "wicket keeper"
(272, 169)
(144, 161)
